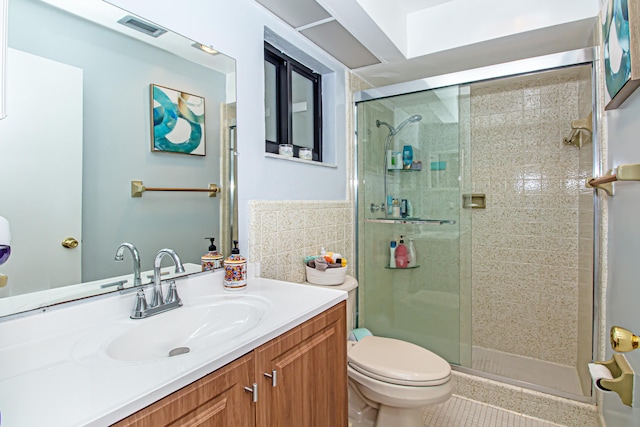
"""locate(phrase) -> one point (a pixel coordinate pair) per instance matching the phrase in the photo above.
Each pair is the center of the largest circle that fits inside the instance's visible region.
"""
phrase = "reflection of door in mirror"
(43, 206)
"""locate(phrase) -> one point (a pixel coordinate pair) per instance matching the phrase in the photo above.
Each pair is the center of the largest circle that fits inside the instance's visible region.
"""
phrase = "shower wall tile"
(526, 246)
(284, 232)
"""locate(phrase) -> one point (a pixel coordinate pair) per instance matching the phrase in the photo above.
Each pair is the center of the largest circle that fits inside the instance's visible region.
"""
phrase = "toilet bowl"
(391, 381)
(397, 378)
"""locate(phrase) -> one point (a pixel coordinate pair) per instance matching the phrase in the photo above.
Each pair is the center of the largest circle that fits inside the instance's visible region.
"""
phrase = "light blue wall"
(238, 29)
(117, 73)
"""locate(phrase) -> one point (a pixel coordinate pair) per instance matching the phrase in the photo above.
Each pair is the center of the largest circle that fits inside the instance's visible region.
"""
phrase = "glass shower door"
(415, 198)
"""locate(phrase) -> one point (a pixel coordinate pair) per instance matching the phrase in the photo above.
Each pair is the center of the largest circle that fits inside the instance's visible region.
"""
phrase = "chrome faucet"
(157, 298)
(158, 304)
(137, 281)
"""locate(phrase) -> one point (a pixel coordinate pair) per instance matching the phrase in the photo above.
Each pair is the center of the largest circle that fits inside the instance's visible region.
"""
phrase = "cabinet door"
(217, 400)
(310, 366)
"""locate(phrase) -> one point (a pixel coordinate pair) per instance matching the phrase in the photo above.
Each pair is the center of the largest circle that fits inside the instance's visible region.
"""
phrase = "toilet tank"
(350, 285)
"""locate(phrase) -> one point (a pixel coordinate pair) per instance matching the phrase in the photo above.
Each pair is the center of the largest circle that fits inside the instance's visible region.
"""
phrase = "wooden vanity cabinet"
(217, 400)
(310, 387)
(310, 367)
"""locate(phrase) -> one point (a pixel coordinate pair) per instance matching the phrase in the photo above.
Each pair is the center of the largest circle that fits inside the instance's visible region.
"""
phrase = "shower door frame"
(585, 56)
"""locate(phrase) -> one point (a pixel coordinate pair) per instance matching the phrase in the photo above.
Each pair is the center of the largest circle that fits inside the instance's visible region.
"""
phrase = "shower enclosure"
(502, 224)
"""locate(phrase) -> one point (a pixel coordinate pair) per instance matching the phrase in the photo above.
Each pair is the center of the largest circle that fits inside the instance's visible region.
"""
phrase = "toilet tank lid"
(391, 359)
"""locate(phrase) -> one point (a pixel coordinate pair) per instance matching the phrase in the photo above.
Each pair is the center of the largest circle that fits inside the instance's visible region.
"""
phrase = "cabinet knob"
(274, 377)
(254, 391)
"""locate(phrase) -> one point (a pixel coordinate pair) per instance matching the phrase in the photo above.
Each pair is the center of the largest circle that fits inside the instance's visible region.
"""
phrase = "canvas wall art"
(178, 121)
(620, 33)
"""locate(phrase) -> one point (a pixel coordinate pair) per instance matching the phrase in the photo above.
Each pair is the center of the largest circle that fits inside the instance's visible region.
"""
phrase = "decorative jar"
(235, 273)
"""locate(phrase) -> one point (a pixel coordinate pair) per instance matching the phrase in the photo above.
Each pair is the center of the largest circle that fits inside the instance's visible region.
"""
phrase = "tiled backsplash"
(283, 232)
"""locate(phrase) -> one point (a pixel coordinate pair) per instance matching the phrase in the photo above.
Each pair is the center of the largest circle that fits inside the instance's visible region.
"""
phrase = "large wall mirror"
(79, 131)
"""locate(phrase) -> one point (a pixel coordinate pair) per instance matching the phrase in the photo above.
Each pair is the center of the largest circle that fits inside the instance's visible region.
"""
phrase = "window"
(293, 112)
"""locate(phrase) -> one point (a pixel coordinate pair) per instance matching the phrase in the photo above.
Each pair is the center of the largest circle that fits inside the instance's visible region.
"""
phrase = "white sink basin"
(188, 329)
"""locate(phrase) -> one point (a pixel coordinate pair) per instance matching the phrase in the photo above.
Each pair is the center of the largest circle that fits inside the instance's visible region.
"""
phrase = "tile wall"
(526, 244)
(283, 232)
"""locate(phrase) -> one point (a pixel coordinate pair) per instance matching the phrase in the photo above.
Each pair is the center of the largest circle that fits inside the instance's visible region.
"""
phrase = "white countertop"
(54, 370)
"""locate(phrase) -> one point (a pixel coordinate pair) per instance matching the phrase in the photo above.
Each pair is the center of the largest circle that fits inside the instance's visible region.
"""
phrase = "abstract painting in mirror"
(77, 135)
(178, 121)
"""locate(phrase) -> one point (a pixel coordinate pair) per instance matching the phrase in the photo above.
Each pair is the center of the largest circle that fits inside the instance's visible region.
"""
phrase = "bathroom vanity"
(274, 355)
(296, 379)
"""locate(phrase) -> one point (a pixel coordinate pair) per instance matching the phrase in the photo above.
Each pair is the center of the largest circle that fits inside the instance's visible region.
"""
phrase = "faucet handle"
(172, 294)
(140, 306)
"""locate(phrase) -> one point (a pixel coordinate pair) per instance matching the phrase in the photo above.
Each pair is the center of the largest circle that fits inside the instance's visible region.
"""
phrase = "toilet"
(397, 378)
(390, 380)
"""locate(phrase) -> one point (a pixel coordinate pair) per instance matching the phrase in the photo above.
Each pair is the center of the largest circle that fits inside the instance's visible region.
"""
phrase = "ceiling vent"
(142, 26)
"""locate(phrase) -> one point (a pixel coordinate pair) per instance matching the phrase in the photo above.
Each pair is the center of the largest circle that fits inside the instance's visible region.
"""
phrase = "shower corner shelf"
(404, 170)
(388, 267)
(412, 221)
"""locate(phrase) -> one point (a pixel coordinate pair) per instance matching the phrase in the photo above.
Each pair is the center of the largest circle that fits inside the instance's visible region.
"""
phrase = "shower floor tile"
(534, 371)
(461, 412)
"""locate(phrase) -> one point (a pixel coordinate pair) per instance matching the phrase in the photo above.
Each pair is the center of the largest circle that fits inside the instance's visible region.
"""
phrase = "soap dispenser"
(235, 270)
(212, 260)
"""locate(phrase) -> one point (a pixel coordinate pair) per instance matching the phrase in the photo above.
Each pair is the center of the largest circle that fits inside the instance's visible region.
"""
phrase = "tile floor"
(461, 412)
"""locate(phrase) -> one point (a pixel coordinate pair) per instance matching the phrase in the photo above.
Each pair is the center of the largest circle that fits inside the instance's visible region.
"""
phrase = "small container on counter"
(235, 270)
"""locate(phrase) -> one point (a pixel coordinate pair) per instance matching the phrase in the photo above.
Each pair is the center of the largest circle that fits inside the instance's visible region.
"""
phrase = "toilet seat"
(398, 362)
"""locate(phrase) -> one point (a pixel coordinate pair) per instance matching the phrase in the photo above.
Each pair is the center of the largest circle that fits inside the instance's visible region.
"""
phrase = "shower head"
(393, 131)
(412, 119)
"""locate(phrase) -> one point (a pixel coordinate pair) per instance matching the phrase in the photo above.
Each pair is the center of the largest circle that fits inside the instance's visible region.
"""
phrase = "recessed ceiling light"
(205, 48)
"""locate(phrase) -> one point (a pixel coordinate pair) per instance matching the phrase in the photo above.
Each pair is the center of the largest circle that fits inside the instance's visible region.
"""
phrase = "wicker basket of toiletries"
(328, 277)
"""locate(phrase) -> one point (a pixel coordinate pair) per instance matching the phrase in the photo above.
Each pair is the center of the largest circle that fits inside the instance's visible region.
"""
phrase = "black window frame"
(285, 65)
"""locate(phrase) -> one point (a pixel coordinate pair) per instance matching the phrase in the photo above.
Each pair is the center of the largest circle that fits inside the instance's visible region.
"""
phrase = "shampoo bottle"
(413, 261)
(401, 254)
(392, 254)
(407, 156)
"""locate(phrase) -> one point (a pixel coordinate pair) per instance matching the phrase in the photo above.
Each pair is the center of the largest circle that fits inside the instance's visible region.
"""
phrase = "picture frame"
(177, 121)
(621, 41)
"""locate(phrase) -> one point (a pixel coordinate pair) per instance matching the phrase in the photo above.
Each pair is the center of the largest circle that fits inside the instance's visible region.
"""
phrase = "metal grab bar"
(137, 188)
